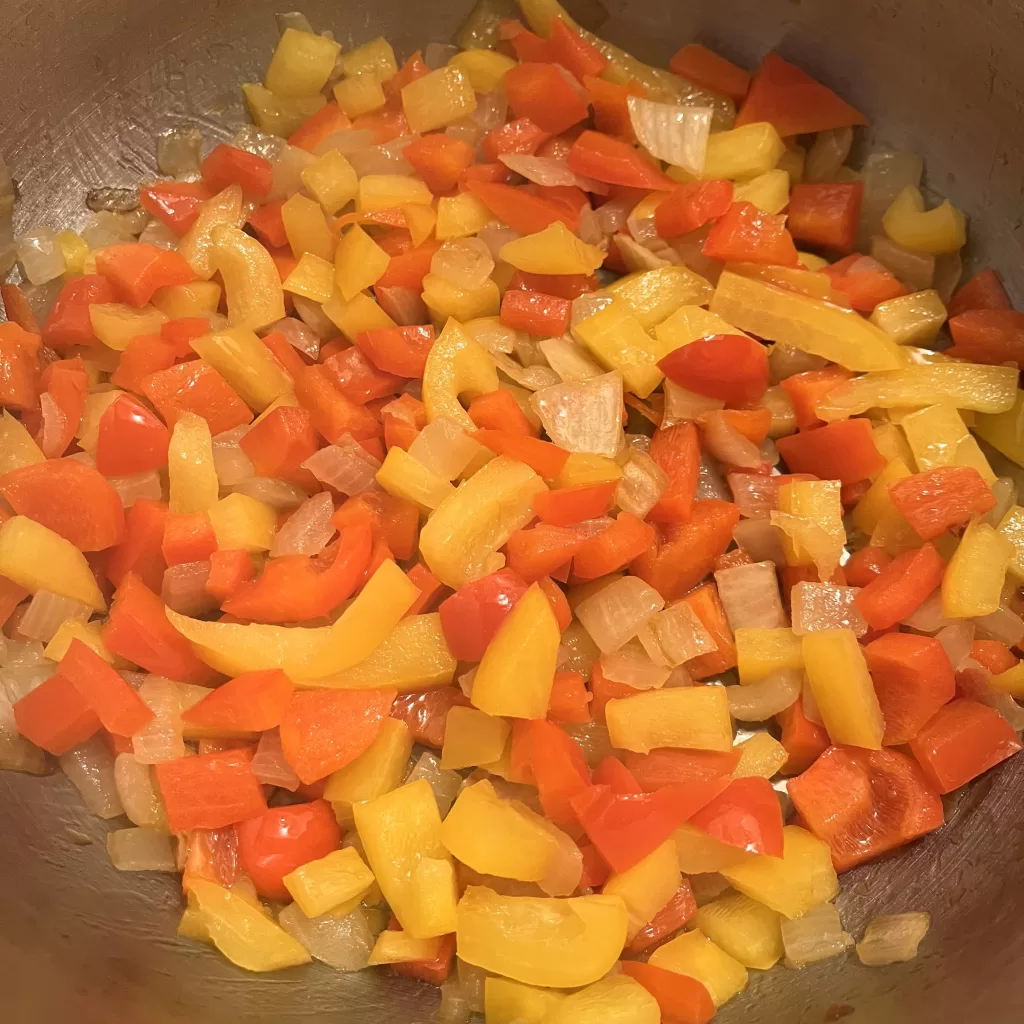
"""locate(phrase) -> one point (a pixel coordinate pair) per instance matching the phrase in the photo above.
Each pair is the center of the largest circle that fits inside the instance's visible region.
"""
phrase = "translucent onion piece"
(288, 167)
(893, 938)
(493, 334)
(347, 141)
(313, 316)
(40, 256)
(177, 152)
(160, 235)
(817, 606)
(275, 493)
(17, 754)
(1003, 625)
(465, 682)
(491, 110)
(529, 353)
(824, 548)
(957, 639)
(757, 702)
(636, 256)
(472, 981)
(710, 482)
(677, 135)
(46, 612)
(593, 740)
(161, 739)
(634, 667)
(617, 611)
(723, 441)
(252, 140)
(533, 378)
(140, 849)
(41, 299)
(756, 494)
(785, 361)
(90, 767)
(589, 229)
(570, 361)
(885, 176)
(750, 596)
(444, 448)
(1004, 489)
(403, 305)
(928, 617)
(105, 228)
(1003, 703)
(232, 464)
(760, 540)
(24, 668)
(587, 304)
(437, 55)
(444, 782)
(641, 485)
(577, 652)
(949, 268)
(343, 943)
(137, 790)
(386, 158)
(818, 935)
(345, 466)
(677, 635)
(466, 262)
(612, 216)
(454, 1007)
(914, 269)
(299, 335)
(308, 530)
(269, 764)
(496, 235)
(184, 588)
(584, 416)
(827, 154)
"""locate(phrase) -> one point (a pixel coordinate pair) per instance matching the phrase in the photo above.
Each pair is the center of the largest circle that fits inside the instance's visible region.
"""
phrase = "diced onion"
(585, 416)
(634, 667)
(288, 166)
(618, 611)
(587, 305)
(444, 448)
(957, 639)
(1004, 489)
(637, 257)
(755, 494)
(570, 361)
(24, 668)
(437, 55)
(105, 228)
(47, 612)
(529, 353)
(757, 702)
(159, 234)
(641, 485)
(140, 849)
(343, 943)
(760, 540)
(539, 169)
(313, 316)
(827, 154)
(347, 141)
(308, 530)
(914, 269)
(818, 935)
(689, 249)
(825, 549)
(1002, 624)
(177, 152)
(589, 229)
(612, 216)
(676, 635)
(403, 305)
(593, 740)
(893, 938)
(465, 682)
(677, 135)
(533, 378)
(493, 334)
(750, 596)
(444, 782)
(817, 606)
(250, 139)
(139, 485)
(345, 466)
(386, 158)
(466, 262)
(491, 110)
(17, 754)
(723, 441)
(454, 1006)
(269, 764)
(710, 482)
(885, 175)
(275, 493)
(231, 463)
(90, 767)
(299, 335)
(577, 651)
(496, 235)
(184, 588)
(810, 705)
(161, 738)
(137, 790)
(928, 617)
(472, 981)
(40, 256)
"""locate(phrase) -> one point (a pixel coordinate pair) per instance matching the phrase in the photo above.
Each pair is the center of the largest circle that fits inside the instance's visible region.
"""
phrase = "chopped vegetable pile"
(447, 519)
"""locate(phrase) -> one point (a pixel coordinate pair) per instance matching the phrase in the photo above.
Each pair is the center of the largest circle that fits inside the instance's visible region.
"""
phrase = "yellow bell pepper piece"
(1012, 528)
(383, 191)
(397, 947)
(306, 653)
(246, 364)
(313, 278)
(505, 838)
(552, 943)
(456, 366)
(892, 443)
(581, 468)
(420, 221)
(17, 448)
(332, 181)
(375, 58)
(747, 930)
(376, 771)
(802, 878)
(555, 250)
(768, 192)
(359, 262)
(1011, 681)
(811, 518)
(301, 64)
(617, 998)
(875, 504)
(743, 153)
(306, 228)
(761, 756)
(181, 300)
(116, 324)
(647, 886)
(973, 582)
(517, 671)
(696, 956)
(252, 284)
(775, 314)
(438, 99)
(654, 295)
(197, 245)
(694, 717)
(793, 162)
(986, 389)
(698, 853)
(842, 688)
(687, 324)
(241, 522)
(485, 69)
(96, 404)
(352, 318)
(36, 558)
(894, 534)
(794, 279)
(279, 115)
(446, 300)
(618, 341)
(75, 252)
(321, 886)
(760, 652)
(460, 216)
(245, 935)
(405, 477)
(90, 633)
(809, 261)
(359, 94)
(399, 831)
(190, 468)
(1005, 430)
(911, 319)
(510, 1002)
(908, 224)
(938, 437)
(473, 738)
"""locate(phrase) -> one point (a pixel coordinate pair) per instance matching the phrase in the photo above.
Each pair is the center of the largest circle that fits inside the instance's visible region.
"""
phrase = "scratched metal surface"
(87, 83)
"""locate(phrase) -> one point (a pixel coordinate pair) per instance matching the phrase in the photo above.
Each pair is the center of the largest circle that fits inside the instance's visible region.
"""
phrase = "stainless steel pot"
(86, 86)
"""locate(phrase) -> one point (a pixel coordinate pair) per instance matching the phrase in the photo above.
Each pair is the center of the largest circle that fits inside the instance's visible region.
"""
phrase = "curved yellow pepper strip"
(252, 284)
(909, 224)
(456, 365)
(197, 245)
(555, 250)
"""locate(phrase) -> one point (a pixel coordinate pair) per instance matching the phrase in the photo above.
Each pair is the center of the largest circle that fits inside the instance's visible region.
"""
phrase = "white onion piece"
(760, 540)
(137, 790)
(308, 530)
(40, 256)
(465, 682)
(345, 466)
(756, 494)
(1004, 489)
(638, 257)
(47, 612)
(827, 154)
(444, 782)
(593, 740)
(1003, 703)
(403, 305)
(343, 943)
(90, 768)
(496, 235)
(541, 170)
(928, 617)
(885, 176)
(250, 139)
(818, 606)
(676, 635)
(313, 316)
(106, 228)
(585, 416)
(159, 234)
(437, 55)
(287, 173)
(24, 668)
(161, 738)
(634, 667)
(1002, 625)
(723, 441)
(677, 135)
(750, 596)
(466, 262)
(641, 485)
(785, 361)
(570, 361)
(385, 158)
(184, 588)
(586, 305)
(682, 405)
(528, 351)
(612, 216)
(710, 482)
(618, 611)
(17, 754)
(893, 938)
(818, 935)
(444, 448)
(533, 378)
(493, 334)
(269, 764)
(589, 229)
(491, 110)
(140, 849)
(757, 702)
(177, 152)
(348, 140)
(577, 651)
(275, 493)
(139, 485)
(299, 335)
(957, 639)
(454, 1007)
(914, 269)
(231, 463)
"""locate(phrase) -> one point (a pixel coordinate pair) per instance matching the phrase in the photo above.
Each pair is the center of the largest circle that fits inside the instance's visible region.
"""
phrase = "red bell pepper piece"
(543, 457)
(498, 410)
(669, 766)
(408, 268)
(229, 571)
(865, 566)
(520, 210)
(934, 501)
(182, 331)
(745, 234)
(676, 450)
(707, 69)
(690, 549)
(210, 791)
(137, 270)
(983, 291)
(11, 595)
(611, 772)
(333, 414)
(285, 353)
(131, 439)
(837, 451)
(913, 678)
(544, 316)
(119, 708)
(676, 914)
(439, 160)
(572, 51)
(556, 765)
(63, 386)
(486, 174)
(793, 101)
(70, 498)
(17, 308)
(55, 716)
(826, 214)
(865, 802)
(569, 505)
(994, 655)
(138, 629)
(68, 323)
(746, 815)
(604, 690)
(174, 203)
(430, 588)
(565, 286)
(681, 999)
(358, 379)
(140, 552)
(610, 105)
(433, 972)
(570, 700)
(324, 730)
(385, 124)
(542, 549)
(542, 93)
(992, 336)
(803, 739)
(864, 281)
(603, 158)
(595, 871)
(399, 522)
(628, 538)
(253, 702)
(188, 537)
(519, 136)
(196, 387)
(227, 165)
(901, 587)
(280, 443)
(145, 355)
(426, 714)
(730, 367)
(806, 389)
(558, 601)
(268, 223)
(474, 613)
(413, 69)
(397, 350)
(691, 206)
(707, 606)
(329, 119)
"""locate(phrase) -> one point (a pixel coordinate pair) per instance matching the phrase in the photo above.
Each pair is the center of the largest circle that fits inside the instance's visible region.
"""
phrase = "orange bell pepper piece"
(280, 443)
(557, 766)
(806, 389)
(545, 316)
(229, 571)
(358, 379)
(599, 156)
(707, 69)
(745, 234)
(518, 136)
(227, 165)
(568, 505)
(569, 699)
(140, 553)
(541, 93)
(430, 588)
(333, 414)
(707, 606)
(329, 119)
(934, 501)
(498, 410)
(541, 550)
(68, 323)
(119, 708)
(426, 714)
(66, 384)
(692, 205)
(668, 766)
(17, 308)
(993, 336)
(11, 595)
(729, 367)
(408, 267)
(196, 387)
(676, 450)
(676, 914)
(174, 203)
(901, 587)
(439, 160)
(543, 457)
(983, 291)
(826, 215)
(136, 270)
(188, 537)
(253, 702)
(520, 210)
(55, 716)
(864, 281)
(610, 103)
(682, 999)
(210, 791)
(627, 539)
(145, 355)
(268, 223)
(803, 739)
(843, 451)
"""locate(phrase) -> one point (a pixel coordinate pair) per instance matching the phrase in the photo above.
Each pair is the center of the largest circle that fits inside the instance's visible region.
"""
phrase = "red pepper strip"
(210, 791)
(439, 160)
(17, 308)
(520, 210)
(543, 457)
(691, 206)
(333, 414)
(983, 291)
(542, 93)
(557, 767)
(610, 104)
(611, 772)
(196, 387)
(569, 505)
(519, 136)
(426, 714)
(542, 549)
(677, 913)
(603, 158)
(667, 767)
(676, 450)
(803, 739)
(826, 214)
(865, 566)
(397, 350)
(279, 444)
(137, 270)
(329, 119)
(544, 316)
(707, 69)
(475, 612)
(934, 501)
(227, 165)
(119, 708)
(864, 281)
(433, 972)
(63, 386)
(842, 451)
(68, 323)
(570, 699)
(572, 51)
(681, 999)
(746, 815)
(145, 355)
(229, 572)
(498, 410)
(55, 716)
(628, 538)
(745, 234)
(174, 203)
(253, 702)
(806, 389)
(993, 336)
(708, 608)
(729, 367)
(901, 587)
(268, 223)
